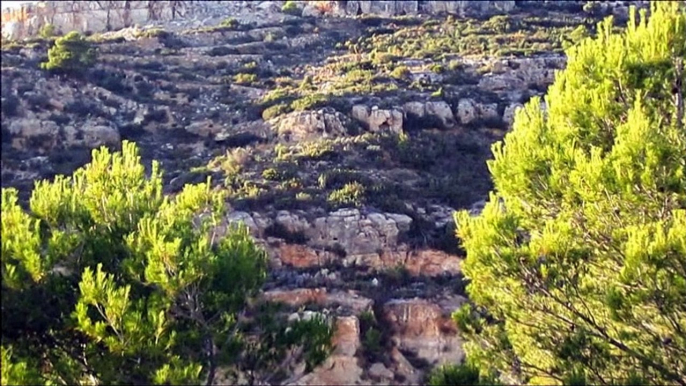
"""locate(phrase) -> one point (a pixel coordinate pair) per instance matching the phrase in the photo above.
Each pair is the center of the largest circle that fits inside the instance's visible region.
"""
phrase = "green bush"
(245, 79)
(310, 102)
(459, 375)
(47, 31)
(349, 194)
(579, 257)
(371, 335)
(401, 73)
(275, 111)
(437, 68)
(230, 23)
(71, 54)
(291, 8)
(337, 178)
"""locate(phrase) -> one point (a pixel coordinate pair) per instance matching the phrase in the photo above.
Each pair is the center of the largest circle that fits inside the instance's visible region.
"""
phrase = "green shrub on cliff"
(71, 54)
(291, 8)
(577, 265)
(47, 31)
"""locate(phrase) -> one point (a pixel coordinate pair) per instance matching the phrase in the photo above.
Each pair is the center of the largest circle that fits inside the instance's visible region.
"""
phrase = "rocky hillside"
(346, 144)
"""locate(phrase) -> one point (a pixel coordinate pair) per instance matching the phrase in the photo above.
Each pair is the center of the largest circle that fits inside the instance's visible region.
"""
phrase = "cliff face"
(94, 16)
(100, 16)
(394, 7)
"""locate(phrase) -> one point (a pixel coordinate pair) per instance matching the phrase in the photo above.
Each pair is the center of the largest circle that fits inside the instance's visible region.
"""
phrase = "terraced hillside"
(346, 144)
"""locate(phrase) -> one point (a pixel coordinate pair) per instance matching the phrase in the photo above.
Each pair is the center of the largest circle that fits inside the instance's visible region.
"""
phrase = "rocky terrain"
(346, 145)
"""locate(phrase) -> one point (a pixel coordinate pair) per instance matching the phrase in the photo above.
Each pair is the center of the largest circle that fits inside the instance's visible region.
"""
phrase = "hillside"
(345, 143)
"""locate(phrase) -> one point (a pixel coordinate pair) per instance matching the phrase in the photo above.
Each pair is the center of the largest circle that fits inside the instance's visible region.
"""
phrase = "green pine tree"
(105, 280)
(577, 265)
(71, 54)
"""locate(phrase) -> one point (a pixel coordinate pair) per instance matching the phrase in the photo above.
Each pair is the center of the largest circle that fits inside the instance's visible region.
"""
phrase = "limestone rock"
(488, 112)
(425, 329)
(350, 300)
(377, 120)
(521, 74)
(342, 367)
(442, 111)
(379, 372)
(466, 111)
(308, 125)
(30, 128)
(300, 256)
(311, 10)
(389, 8)
(358, 235)
(97, 134)
(509, 114)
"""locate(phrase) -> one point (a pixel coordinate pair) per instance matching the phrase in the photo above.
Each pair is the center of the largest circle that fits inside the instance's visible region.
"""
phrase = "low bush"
(71, 54)
(291, 8)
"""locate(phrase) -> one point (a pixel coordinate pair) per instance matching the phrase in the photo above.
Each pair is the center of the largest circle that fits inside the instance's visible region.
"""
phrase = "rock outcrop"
(97, 16)
(307, 125)
(397, 7)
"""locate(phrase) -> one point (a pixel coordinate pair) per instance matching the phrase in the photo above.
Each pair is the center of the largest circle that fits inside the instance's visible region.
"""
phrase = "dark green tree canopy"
(577, 265)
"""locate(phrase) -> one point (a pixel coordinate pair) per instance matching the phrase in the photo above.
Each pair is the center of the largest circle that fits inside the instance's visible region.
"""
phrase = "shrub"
(47, 31)
(310, 102)
(275, 111)
(596, 289)
(230, 23)
(371, 335)
(71, 54)
(291, 8)
(459, 375)
(401, 73)
(245, 79)
(349, 194)
(437, 68)
(337, 178)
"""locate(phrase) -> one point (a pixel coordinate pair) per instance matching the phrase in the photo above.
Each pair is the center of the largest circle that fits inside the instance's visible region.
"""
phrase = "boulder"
(33, 128)
(377, 120)
(358, 234)
(466, 111)
(510, 111)
(205, 128)
(97, 134)
(425, 329)
(311, 10)
(430, 113)
(441, 110)
(310, 125)
(379, 372)
(488, 112)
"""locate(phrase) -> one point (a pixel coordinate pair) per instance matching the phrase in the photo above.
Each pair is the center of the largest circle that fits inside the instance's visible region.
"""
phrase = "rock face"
(377, 120)
(99, 16)
(307, 125)
(424, 329)
(349, 238)
(437, 110)
(415, 327)
(397, 7)
(395, 256)
(342, 367)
